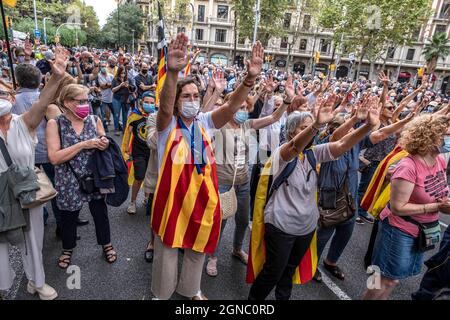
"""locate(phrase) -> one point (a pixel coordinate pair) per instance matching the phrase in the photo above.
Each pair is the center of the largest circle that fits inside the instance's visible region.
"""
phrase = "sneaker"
(367, 218)
(359, 221)
(132, 208)
(45, 293)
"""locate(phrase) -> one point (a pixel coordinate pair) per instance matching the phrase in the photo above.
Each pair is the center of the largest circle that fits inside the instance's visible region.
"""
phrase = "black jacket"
(111, 171)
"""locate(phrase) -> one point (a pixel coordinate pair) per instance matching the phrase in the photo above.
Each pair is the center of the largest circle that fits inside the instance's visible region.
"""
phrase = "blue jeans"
(118, 108)
(366, 176)
(241, 218)
(49, 170)
(341, 236)
(437, 276)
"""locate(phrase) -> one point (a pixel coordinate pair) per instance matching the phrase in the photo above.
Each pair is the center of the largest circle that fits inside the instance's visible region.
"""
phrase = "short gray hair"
(294, 120)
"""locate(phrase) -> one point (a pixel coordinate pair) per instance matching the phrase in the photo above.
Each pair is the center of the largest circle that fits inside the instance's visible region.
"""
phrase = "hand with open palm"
(325, 110)
(289, 89)
(177, 56)
(254, 65)
(384, 78)
(59, 64)
(373, 117)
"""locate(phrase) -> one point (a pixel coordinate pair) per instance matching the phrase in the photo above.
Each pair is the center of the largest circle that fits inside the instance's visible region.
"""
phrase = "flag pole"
(5, 30)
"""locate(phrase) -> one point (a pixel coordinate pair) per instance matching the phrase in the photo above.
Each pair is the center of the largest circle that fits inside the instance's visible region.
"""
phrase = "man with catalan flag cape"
(186, 210)
(283, 242)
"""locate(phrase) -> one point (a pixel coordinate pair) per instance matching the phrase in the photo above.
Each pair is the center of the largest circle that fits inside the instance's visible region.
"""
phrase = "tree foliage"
(122, 23)
(435, 49)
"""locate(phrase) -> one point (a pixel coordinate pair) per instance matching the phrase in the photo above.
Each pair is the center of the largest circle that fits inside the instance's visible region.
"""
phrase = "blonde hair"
(423, 133)
(70, 92)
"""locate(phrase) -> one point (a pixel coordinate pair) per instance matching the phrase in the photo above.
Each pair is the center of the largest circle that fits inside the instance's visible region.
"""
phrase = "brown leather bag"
(344, 210)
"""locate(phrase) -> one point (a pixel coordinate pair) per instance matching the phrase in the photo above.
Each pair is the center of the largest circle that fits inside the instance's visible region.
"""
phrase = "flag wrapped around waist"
(257, 252)
(186, 208)
(372, 201)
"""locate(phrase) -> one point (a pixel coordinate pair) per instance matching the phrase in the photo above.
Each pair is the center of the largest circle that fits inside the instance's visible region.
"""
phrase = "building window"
(221, 35)
(445, 11)
(222, 12)
(325, 45)
(201, 13)
(410, 54)
(287, 20)
(181, 29)
(303, 44)
(284, 43)
(306, 22)
(391, 53)
(440, 28)
(199, 34)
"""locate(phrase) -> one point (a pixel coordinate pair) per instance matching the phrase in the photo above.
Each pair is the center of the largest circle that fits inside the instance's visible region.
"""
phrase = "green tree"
(130, 18)
(370, 27)
(435, 49)
(271, 18)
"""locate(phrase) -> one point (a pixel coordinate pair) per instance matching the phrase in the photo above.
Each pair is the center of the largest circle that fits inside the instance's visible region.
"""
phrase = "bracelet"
(425, 208)
(248, 85)
(286, 102)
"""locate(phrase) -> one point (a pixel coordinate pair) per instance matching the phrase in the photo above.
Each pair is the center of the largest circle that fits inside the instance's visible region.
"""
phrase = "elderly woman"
(71, 140)
(291, 213)
(419, 192)
(19, 135)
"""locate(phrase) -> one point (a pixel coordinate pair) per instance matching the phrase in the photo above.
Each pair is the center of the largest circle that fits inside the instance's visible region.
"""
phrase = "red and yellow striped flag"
(162, 56)
(257, 252)
(372, 202)
(186, 208)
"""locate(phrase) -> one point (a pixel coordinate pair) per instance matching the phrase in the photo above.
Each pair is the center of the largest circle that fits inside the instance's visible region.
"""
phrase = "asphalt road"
(130, 276)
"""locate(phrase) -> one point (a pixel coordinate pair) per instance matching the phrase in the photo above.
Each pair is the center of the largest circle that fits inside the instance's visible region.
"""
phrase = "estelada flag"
(10, 3)
(377, 194)
(257, 252)
(186, 207)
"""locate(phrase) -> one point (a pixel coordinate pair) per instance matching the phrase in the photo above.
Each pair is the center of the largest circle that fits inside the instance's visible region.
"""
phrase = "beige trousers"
(165, 271)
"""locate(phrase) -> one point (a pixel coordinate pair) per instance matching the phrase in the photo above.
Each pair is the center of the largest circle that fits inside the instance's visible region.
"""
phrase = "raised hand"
(373, 117)
(362, 111)
(384, 78)
(28, 48)
(218, 78)
(177, 56)
(254, 65)
(289, 88)
(325, 110)
(59, 64)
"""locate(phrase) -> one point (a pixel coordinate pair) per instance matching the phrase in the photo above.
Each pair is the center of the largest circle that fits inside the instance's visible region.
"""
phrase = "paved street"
(130, 276)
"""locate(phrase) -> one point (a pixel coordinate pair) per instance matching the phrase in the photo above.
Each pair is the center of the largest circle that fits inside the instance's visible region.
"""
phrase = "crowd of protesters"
(295, 156)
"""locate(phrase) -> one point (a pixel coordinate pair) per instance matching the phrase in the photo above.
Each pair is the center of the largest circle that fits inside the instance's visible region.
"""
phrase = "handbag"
(336, 206)
(228, 200)
(46, 191)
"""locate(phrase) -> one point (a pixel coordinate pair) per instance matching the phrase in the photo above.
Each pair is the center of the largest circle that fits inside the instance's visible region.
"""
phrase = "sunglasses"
(390, 108)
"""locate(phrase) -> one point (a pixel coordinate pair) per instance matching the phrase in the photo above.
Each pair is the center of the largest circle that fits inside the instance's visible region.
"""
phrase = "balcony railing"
(219, 20)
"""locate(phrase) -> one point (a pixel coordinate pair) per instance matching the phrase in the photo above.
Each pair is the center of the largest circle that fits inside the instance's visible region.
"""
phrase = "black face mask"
(112, 65)
(144, 72)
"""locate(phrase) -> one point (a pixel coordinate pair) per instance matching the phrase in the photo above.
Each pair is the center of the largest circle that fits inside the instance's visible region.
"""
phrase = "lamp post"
(193, 19)
(118, 23)
(132, 47)
(257, 16)
(71, 24)
(35, 16)
(45, 30)
(290, 43)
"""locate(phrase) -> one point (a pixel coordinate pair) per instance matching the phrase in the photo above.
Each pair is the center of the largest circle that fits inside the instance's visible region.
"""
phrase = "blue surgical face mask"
(446, 146)
(149, 107)
(241, 116)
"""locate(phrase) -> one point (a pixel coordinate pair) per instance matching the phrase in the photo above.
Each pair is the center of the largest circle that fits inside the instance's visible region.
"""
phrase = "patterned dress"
(70, 198)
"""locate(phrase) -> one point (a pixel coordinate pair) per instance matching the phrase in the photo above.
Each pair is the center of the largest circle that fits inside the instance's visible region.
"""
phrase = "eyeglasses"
(390, 108)
(81, 101)
(5, 93)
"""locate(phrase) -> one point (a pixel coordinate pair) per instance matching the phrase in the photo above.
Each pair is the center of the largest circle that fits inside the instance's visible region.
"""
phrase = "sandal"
(334, 270)
(241, 256)
(110, 254)
(211, 267)
(65, 259)
(318, 276)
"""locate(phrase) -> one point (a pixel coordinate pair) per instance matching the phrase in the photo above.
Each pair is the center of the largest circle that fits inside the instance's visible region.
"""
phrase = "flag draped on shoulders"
(257, 253)
(378, 192)
(186, 208)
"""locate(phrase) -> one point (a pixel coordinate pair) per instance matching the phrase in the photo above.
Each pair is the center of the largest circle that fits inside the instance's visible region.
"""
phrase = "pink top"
(430, 186)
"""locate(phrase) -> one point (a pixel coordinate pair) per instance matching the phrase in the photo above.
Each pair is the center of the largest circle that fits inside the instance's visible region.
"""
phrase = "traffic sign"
(37, 33)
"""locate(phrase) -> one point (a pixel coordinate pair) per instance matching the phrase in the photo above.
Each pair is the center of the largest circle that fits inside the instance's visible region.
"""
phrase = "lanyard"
(199, 160)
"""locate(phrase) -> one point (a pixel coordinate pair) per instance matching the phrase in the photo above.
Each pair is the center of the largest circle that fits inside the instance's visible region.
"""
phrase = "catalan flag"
(257, 253)
(378, 192)
(162, 54)
(186, 208)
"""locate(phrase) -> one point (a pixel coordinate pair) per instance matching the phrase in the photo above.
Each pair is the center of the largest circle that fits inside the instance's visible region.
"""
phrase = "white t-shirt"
(21, 144)
(107, 94)
(205, 121)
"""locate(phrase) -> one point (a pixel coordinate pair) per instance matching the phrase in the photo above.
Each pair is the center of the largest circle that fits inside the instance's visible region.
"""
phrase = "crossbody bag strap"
(5, 153)
(58, 121)
(235, 164)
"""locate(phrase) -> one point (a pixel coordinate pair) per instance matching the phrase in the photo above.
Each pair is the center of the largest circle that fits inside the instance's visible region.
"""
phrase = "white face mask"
(190, 109)
(5, 107)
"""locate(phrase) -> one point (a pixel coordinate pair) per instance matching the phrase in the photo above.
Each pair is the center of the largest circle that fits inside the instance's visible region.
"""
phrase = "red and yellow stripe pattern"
(186, 208)
(257, 253)
(377, 195)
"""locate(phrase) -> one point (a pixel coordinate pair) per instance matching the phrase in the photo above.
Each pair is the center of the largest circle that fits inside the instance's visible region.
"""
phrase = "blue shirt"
(24, 100)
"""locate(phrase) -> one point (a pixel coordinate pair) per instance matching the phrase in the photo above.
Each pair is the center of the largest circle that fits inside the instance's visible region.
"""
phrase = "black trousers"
(283, 254)
(99, 212)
